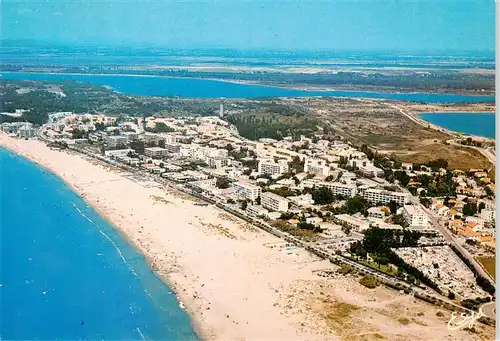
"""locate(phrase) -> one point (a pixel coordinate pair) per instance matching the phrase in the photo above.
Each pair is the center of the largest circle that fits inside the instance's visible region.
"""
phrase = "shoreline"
(256, 83)
(287, 300)
(201, 333)
(455, 133)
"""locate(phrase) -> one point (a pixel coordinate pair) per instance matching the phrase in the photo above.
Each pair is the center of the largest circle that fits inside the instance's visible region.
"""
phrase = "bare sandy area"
(234, 279)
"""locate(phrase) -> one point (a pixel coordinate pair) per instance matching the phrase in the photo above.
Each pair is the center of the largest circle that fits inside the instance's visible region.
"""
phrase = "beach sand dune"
(236, 281)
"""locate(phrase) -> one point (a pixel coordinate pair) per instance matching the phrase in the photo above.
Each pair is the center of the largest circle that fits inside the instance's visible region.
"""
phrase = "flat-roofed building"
(155, 152)
(246, 190)
(378, 195)
(217, 162)
(173, 147)
(116, 141)
(256, 210)
(348, 190)
(131, 136)
(316, 166)
(358, 224)
(274, 202)
(415, 216)
(269, 166)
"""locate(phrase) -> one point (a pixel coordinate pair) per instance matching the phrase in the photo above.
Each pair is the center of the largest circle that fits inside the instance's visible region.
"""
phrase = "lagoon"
(66, 274)
(480, 124)
(204, 88)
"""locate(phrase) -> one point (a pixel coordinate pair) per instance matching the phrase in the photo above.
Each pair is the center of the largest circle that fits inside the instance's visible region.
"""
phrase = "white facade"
(246, 190)
(256, 210)
(173, 147)
(487, 215)
(116, 141)
(356, 223)
(348, 190)
(415, 216)
(377, 195)
(316, 167)
(131, 136)
(274, 202)
(217, 162)
(269, 166)
(155, 152)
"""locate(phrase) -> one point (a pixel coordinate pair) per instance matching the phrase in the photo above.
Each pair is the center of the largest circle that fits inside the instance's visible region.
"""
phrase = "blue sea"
(480, 124)
(204, 88)
(66, 274)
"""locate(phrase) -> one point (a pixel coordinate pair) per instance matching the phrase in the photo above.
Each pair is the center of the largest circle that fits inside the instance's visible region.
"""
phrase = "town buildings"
(246, 190)
(274, 202)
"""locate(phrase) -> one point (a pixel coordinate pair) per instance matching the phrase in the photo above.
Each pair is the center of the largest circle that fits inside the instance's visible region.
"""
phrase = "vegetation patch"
(369, 282)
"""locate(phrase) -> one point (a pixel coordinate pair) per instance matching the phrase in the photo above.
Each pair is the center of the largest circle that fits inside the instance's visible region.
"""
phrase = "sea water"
(479, 124)
(204, 88)
(66, 274)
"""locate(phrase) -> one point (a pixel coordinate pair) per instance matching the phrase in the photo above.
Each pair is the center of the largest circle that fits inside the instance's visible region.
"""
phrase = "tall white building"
(246, 190)
(378, 195)
(155, 152)
(269, 166)
(116, 141)
(274, 202)
(415, 216)
(221, 110)
(348, 190)
(316, 166)
(487, 215)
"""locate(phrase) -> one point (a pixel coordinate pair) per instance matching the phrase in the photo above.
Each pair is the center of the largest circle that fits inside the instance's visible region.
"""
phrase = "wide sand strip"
(234, 284)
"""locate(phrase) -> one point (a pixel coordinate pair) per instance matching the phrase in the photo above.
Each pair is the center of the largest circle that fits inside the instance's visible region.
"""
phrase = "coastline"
(311, 88)
(234, 286)
(197, 326)
(174, 279)
(455, 133)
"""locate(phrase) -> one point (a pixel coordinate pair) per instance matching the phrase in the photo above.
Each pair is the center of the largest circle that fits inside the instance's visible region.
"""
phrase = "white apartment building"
(256, 210)
(150, 137)
(131, 136)
(378, 195)
(217, 162)
(26, 131)
(415, 216)
(357, 224)
(316, 166)
(173, 147)
(269, 166)
(116, 141)
(348, 190)
(274, 202)
(155, 152)
(487, 215)
(246, 190)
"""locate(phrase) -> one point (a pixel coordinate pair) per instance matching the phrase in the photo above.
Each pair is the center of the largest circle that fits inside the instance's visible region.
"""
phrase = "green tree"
(469, 209)
(393, 206)
(222, 183)
(322, 196)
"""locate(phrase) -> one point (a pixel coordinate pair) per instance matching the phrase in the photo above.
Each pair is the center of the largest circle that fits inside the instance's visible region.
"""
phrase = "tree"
(469, 209)
(244, 205)
(322, 196)
(425, 201)
(393, 206)
(481, 206)
(222, 183)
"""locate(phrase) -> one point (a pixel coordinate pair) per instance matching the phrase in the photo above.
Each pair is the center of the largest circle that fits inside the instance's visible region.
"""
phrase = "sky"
(391, 25)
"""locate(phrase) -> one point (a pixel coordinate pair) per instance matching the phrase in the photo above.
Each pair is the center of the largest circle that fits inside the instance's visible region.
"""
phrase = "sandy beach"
(235, 280)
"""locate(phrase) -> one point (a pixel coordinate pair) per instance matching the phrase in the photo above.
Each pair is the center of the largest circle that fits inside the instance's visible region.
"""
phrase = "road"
(489, 310)
(487, 152)
(447, 234)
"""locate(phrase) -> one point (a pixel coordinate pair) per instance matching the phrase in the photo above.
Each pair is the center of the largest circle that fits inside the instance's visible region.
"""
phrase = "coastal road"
(485, 151)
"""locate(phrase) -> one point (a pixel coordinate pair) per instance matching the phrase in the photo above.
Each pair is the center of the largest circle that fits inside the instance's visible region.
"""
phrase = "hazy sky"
(397, 25)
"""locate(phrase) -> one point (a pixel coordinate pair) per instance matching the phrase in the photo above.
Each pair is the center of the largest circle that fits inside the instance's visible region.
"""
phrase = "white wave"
(140, 333)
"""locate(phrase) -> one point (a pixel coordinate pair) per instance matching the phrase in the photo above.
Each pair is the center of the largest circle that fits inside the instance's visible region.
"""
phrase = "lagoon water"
(480, 124)
(204, 88)
(66, 274)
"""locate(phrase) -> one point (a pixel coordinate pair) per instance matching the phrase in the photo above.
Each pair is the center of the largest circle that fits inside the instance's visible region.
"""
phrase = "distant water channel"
(204, 88)
(479, 124)
(66, 274)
